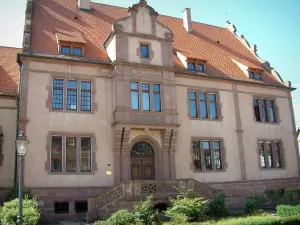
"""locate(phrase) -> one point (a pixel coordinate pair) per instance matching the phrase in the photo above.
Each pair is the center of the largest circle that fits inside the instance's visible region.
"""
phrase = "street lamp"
(22, 144)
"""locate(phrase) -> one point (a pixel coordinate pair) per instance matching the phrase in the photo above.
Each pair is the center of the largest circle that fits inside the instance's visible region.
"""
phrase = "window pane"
(213, 110)
(85, 154)
(258, 76)
(191, 66)
(207, 155)
(77, 51)
(65, 50)
(193, 109)
(58, 94)
(56, 154)
(265, 110)
(278, 155)
(134, 85)
(86, 96)
(72, 95)
(71, 154)
(144, 51)
(156, 87)
(202, 96)
(192, 95)
(262, 155)
(251, 75)
(146, 101)
(200, 67)
(270, 155)
(212, 97)
(203, 105)
(256, 109)
(134, 96)
(217, 155)
(272, 111)
(197, 155)
(157, 103)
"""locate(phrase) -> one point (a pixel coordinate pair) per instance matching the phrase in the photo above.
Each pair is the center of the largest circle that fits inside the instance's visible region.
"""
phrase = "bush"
(254, 202)
(261, 221)
(288, 210)
(144, 212)
(194, 209)
(217, 206)
(10, 210)
(275, 196)
(121, 217)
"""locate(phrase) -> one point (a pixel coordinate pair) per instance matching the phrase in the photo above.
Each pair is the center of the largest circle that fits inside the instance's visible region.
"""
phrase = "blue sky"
(273, 25)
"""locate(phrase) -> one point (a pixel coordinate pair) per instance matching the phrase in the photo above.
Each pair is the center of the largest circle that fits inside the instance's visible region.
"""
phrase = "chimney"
(187, 20)
(84, 5)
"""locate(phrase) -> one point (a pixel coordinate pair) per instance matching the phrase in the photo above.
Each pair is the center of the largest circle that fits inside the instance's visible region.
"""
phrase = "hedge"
(288, 210)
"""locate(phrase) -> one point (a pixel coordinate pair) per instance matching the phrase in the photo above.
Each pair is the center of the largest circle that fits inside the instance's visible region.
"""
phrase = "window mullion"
(64, 157)
(273, 153)
(140, 94)
(65, 92)
(78, 154)
(212, 158)
(207, 100)
(198, 105)
(266, 154)
(202, 157)
(151, 96)
(78, 95)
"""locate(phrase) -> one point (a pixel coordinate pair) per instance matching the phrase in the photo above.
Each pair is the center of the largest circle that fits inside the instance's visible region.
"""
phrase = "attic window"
(65, 50)
(255, 75)
(195, 66)
(77, 51)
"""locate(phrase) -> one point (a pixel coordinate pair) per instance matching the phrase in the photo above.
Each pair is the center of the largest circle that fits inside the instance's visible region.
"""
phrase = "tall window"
(76, 156)
(264, 110)
(72, 95)
(270, 154)
(207, 155)
(134, 95)
(203, 105)
(156, 98)
(150, 95)
(58, 94)
(86, 96)
(144, 51)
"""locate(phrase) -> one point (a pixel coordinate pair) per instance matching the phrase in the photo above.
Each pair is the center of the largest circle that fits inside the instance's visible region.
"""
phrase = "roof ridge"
(2, 46)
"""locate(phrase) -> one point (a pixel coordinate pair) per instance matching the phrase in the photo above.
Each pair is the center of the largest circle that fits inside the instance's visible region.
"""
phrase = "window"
(58, 94)
(70, 93)
(255, 75)
(66, 50)
(76, 156)
(207, 155)
(150, 96)
(61, 207)
(191, 66)
(270, 154)
(200, 67)
(203, 105)
(144, 51)
(77, 51)
(264, 110)
(86, 96)
(195, 66)
(81, 207)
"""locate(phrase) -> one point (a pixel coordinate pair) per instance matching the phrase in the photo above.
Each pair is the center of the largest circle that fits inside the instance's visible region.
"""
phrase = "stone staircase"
(128, 193)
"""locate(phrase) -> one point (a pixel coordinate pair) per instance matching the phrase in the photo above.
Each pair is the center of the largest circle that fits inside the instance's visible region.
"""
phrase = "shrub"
(217, 206)
(10, 210)
(194, 209)
(121, 217)
(144, 212)
(254, 202)
(275, 196)
(177, 218)
(288, 210)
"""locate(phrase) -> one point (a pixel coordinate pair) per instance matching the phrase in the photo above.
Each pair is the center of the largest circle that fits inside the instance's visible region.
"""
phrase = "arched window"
(141, 149)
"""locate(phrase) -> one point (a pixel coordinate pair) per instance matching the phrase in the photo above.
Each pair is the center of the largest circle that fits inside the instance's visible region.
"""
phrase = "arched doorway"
(142, 161)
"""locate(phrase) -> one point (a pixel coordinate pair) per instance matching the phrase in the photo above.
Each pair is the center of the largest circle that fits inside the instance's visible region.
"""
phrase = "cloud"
(296, 85)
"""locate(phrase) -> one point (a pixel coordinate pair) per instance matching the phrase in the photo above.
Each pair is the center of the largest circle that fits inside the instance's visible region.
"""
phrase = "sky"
(273, 25)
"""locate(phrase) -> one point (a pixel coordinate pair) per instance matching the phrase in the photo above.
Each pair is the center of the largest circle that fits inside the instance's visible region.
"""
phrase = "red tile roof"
(215, 44)
(9, 70)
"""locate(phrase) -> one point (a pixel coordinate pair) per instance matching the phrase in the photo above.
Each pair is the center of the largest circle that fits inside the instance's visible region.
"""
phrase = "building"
(120, 103)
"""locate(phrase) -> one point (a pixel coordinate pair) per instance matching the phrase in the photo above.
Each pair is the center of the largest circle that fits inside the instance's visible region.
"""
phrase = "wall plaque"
(148, 119)
(145, 72)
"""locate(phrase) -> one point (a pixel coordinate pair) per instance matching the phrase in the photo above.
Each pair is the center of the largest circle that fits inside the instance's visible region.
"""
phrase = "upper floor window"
(150, 96)
(203, 105)
(195, 66)
(208, 155)
(255, 75)
(72, 157)
(264, 110)
(144, 51)
(70, 95)
(270, 154)
(77, 51)
(66, 50)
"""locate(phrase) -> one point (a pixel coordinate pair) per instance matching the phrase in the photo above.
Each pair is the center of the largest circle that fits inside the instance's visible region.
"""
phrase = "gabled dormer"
(140, 38)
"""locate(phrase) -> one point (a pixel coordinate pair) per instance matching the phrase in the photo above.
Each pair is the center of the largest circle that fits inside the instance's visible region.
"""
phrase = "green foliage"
(144, 212)
(10, 210)
(275, 196)
(194, 209)
(177, 218)
(288, 210)
(217, 206)
(254, 202)
(98, 222)
(121, 217)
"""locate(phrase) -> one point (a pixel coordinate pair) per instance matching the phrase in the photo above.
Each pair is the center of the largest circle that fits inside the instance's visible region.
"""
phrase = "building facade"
(117, 102)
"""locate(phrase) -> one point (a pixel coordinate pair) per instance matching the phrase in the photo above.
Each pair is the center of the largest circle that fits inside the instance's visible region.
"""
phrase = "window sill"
(210, 171)
(71, 111)
(203, 119)
(71, 173)
(267, 123)
(270, 169)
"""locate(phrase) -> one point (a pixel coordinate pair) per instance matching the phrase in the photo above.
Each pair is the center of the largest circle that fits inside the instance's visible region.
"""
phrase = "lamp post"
(22, 144)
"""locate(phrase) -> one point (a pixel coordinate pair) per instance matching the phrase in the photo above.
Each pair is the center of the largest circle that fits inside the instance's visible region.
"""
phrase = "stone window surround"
(282, 151)
(197, 61)
(1, 146)
(94, 149)
(276, 109)
(223, 154)
(71, 45)
(151, 52)
(151, 83)
(78, 78)
(207, 91)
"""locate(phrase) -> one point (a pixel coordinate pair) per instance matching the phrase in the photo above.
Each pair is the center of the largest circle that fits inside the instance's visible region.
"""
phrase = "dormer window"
(77, 51)
(195, 66)
(65, 50)
(191, 66)
(200, 67)
(144, 51)
(255, 75)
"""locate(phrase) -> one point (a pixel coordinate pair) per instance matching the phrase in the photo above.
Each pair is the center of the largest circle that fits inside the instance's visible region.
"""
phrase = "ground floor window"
(270, 154)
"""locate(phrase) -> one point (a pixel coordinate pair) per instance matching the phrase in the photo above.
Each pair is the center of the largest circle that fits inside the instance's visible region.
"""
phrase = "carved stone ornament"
(117, 28)
(169, 36)
(142, 3)
(145, 72)
(139, 118)
(1, 146)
